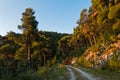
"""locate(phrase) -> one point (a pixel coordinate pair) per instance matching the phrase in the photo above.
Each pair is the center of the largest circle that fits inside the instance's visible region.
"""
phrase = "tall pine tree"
(30, 32)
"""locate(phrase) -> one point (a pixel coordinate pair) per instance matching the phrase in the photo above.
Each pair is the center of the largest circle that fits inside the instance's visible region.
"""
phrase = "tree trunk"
(44, 59)
(94, 39)
(29, 51)
(90, 41)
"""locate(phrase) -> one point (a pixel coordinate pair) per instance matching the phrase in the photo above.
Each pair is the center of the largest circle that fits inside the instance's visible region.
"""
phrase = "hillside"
(96, 38)
(107, 57)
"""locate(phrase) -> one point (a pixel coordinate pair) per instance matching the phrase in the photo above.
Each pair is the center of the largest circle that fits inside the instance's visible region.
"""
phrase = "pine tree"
(30, 32)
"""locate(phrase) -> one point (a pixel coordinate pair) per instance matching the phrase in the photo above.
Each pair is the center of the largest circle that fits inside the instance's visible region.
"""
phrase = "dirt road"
(73, 70)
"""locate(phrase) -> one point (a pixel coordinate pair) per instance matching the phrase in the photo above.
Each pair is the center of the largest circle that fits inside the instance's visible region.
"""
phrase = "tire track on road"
(88, 76)
(71, 73)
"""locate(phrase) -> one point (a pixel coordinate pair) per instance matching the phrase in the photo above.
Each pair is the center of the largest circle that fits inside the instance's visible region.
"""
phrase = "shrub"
(85, 63)
(114, 63)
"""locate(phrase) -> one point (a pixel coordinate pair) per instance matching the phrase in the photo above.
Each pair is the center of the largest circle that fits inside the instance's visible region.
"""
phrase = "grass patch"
(56, 72)
(103, 74)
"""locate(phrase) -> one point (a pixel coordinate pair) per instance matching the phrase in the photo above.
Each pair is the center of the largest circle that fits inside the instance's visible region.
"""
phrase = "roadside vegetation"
(55, 72)
(103, 74)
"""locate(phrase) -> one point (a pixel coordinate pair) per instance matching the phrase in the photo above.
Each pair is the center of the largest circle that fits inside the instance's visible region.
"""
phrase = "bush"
(85, 63)
(114, 62)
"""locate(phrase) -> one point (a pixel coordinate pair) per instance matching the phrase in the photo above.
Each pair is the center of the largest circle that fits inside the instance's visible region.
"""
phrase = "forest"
(34, 54)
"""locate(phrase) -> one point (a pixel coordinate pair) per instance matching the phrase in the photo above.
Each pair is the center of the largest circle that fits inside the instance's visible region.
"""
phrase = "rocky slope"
(104, 57)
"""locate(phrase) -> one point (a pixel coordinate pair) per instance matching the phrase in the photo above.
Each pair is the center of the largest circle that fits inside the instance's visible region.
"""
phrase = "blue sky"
(52, 15)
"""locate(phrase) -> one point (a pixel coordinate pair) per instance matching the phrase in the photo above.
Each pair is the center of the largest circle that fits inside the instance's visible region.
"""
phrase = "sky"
(52, 15)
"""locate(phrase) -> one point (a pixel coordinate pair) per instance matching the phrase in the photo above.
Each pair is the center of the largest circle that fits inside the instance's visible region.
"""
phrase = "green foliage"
(102, 17)
(114, 62)
(64, 46)
(103, 74)
(116, 1)
(114, 12)
(116, 26)
(83, 14)
(56, 72)
(85, 63)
